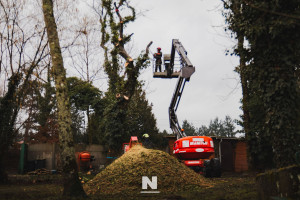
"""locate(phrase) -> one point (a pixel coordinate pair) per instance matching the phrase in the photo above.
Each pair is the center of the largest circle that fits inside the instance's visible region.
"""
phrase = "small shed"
(232, 153)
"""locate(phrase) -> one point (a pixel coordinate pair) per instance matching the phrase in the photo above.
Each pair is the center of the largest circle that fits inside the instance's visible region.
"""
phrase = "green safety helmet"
(145, 135)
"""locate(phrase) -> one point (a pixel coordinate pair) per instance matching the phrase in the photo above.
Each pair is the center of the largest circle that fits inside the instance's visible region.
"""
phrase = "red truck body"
(197, 152)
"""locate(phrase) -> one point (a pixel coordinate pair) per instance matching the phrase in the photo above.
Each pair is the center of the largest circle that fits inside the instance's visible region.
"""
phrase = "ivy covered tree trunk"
(272, 31)
(72, 185)
(123, 79)
(8, 106)
(258, 148)
(275, 47)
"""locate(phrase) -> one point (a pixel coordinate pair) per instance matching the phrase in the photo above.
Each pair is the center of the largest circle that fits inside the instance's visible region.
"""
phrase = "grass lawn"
(229, 187)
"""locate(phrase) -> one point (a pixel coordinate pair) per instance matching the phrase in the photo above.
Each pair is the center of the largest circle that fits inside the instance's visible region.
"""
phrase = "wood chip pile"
(124, 175)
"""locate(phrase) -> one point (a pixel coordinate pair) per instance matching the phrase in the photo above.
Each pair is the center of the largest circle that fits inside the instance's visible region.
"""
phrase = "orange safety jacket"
(158, 55)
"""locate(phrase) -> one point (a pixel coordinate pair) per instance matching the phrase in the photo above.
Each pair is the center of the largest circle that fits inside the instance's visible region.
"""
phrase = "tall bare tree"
(72, 185)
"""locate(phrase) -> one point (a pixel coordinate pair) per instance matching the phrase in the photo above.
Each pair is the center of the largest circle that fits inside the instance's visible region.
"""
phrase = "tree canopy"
(216, 127)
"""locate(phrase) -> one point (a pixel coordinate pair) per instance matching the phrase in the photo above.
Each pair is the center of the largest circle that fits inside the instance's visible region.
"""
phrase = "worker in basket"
(158, 61)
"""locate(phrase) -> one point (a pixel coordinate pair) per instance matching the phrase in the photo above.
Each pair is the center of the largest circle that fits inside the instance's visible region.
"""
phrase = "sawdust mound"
(124, 175)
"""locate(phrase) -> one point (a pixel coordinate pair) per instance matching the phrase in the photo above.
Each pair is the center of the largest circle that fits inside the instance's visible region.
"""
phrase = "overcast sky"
(214, 89)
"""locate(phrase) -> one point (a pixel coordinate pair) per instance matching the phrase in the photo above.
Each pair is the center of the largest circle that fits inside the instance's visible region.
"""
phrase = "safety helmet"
(158, 48)
(145, 135)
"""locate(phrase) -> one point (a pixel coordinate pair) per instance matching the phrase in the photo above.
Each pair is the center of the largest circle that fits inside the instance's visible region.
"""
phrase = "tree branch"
(270, 11)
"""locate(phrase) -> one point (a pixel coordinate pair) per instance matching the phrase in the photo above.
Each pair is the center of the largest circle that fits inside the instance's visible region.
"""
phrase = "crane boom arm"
(187, 69)
(176, 45)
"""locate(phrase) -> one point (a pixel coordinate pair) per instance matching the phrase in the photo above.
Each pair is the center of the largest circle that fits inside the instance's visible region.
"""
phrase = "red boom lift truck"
(196, 152)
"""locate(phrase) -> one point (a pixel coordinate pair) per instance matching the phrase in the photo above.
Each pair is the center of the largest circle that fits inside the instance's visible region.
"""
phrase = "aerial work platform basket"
(166, 70)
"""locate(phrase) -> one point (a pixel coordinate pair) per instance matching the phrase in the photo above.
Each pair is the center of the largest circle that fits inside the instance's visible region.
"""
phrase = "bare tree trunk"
(72, 185)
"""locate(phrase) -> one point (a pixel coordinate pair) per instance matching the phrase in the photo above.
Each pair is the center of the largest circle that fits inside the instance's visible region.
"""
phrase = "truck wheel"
(207, 169)
(216, 167)
(196, 169)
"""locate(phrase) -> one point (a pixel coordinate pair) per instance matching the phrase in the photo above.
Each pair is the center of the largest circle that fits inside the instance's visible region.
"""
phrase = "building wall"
(233, 153)
(50, 152)
(241, 163)
(227, 155)
(43, 151)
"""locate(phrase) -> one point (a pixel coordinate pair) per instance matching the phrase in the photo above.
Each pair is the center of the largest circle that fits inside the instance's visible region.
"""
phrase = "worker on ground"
(158, 61)
(182, 130)
(146, 141)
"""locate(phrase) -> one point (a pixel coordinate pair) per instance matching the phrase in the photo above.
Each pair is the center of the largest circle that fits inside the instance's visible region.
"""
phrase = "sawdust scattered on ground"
(124, 175)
